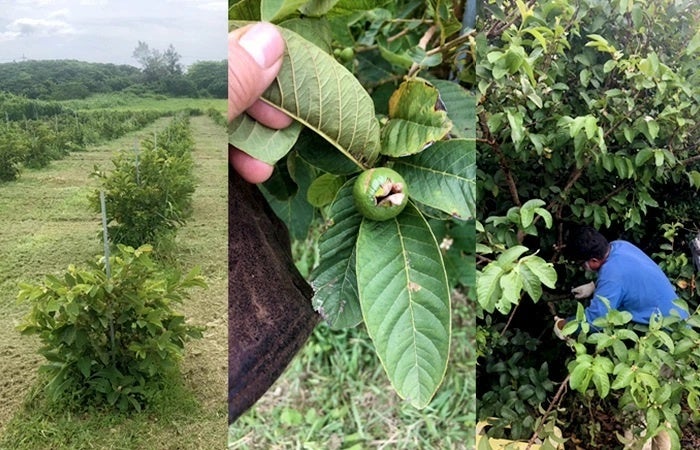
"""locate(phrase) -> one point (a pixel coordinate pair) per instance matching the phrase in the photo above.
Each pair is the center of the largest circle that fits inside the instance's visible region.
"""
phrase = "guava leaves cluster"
(390, 275)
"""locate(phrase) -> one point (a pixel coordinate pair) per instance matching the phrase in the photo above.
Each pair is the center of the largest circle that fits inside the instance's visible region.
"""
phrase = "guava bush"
(110, 332)
(148, 194)
(587, 114)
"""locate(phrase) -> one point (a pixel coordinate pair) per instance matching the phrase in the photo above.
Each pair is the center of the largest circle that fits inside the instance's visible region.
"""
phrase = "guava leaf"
(419, 56)
(458, 245)
(461, 108)
(323, 190)
(316, 90)
(531, 283)
(295, 211)
(416, 119)
(334, 280)
(543, 270)
(488, 288)
(316, 31)
(345, 7)
(245, 132)
(393, 52)
(511, 286)
(280, 185)
(443, 176)
(245, 10)
(321, 154)
(275, 10)
(314, 8)
(405, 301)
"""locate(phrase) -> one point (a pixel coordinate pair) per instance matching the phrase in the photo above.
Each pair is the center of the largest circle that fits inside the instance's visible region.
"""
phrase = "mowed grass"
(46, 224)
(335, 395)
(152, 102)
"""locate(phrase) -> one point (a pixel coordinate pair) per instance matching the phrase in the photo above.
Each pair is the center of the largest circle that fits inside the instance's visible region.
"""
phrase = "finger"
(254, 58)
(250, 169)
(269, 115)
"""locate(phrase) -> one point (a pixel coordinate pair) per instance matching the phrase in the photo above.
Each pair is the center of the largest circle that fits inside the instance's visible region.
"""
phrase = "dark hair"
(585, 243)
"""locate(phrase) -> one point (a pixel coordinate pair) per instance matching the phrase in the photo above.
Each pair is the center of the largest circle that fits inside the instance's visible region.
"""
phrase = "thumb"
(254, 58)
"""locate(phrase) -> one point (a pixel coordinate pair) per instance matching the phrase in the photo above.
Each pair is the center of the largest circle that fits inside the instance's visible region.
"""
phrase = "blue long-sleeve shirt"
(632, 282)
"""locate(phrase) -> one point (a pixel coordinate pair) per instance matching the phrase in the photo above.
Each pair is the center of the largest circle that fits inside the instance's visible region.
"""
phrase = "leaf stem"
(510, 319)
(422, 43)
(459, 40)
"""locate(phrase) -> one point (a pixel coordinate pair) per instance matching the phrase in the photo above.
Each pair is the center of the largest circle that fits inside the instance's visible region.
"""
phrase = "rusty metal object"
(270, 312)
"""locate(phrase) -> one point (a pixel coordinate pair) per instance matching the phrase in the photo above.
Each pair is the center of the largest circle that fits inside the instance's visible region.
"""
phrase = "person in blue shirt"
(627, 278)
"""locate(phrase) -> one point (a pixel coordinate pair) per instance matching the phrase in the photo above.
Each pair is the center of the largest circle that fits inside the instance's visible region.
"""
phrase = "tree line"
(160, 73)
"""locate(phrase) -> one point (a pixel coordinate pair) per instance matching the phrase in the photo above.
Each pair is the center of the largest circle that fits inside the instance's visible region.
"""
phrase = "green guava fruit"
(380, 193)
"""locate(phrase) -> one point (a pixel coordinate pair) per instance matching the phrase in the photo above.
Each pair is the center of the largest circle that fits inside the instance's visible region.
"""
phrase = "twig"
(453, 43)
(401, 33)
(510, 318)
(396, 36)
(497, 31)
(613, 193)
(503, 162)
(555, 401)
(422, 43)
(484, 259)
(690, 160)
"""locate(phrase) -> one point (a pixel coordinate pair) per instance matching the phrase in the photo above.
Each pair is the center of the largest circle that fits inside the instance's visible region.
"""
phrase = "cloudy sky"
(109, 30)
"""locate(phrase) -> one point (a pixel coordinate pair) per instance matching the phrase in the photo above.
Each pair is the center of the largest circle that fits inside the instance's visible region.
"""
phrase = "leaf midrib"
(304, 122)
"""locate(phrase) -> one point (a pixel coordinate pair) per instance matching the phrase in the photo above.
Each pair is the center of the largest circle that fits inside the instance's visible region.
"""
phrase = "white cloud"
(8, 36)
(110, 29)
(36, 3)
(38, 27)
(208, 5)
(214, 6)
(59, 13)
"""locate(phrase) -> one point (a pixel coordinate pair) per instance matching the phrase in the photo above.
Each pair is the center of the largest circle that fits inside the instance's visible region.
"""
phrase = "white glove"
(583, 291)
(558, 325)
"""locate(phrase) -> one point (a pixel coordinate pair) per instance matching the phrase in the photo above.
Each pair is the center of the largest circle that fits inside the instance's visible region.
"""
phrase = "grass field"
(335, 395)
(45, 225)
(153, 102)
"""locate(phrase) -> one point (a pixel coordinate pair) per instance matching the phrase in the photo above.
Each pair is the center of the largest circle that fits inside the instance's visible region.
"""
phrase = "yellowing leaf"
(416, 119)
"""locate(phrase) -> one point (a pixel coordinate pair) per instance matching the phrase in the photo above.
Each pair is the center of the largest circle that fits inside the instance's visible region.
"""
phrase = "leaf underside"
(246, 133)
(316, 90)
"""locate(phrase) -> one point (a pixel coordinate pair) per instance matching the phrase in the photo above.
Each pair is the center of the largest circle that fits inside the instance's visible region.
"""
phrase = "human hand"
(583, 291)
(558, 326)
(254, 59)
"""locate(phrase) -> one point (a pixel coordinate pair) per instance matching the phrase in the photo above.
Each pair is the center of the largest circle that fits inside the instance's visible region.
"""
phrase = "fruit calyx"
(380, 193)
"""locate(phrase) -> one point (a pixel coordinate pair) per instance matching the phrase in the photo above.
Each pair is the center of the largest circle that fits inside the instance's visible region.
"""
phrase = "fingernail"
(263, 43)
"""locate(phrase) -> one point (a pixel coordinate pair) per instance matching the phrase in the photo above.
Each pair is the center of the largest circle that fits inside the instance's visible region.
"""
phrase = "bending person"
(627, 278)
